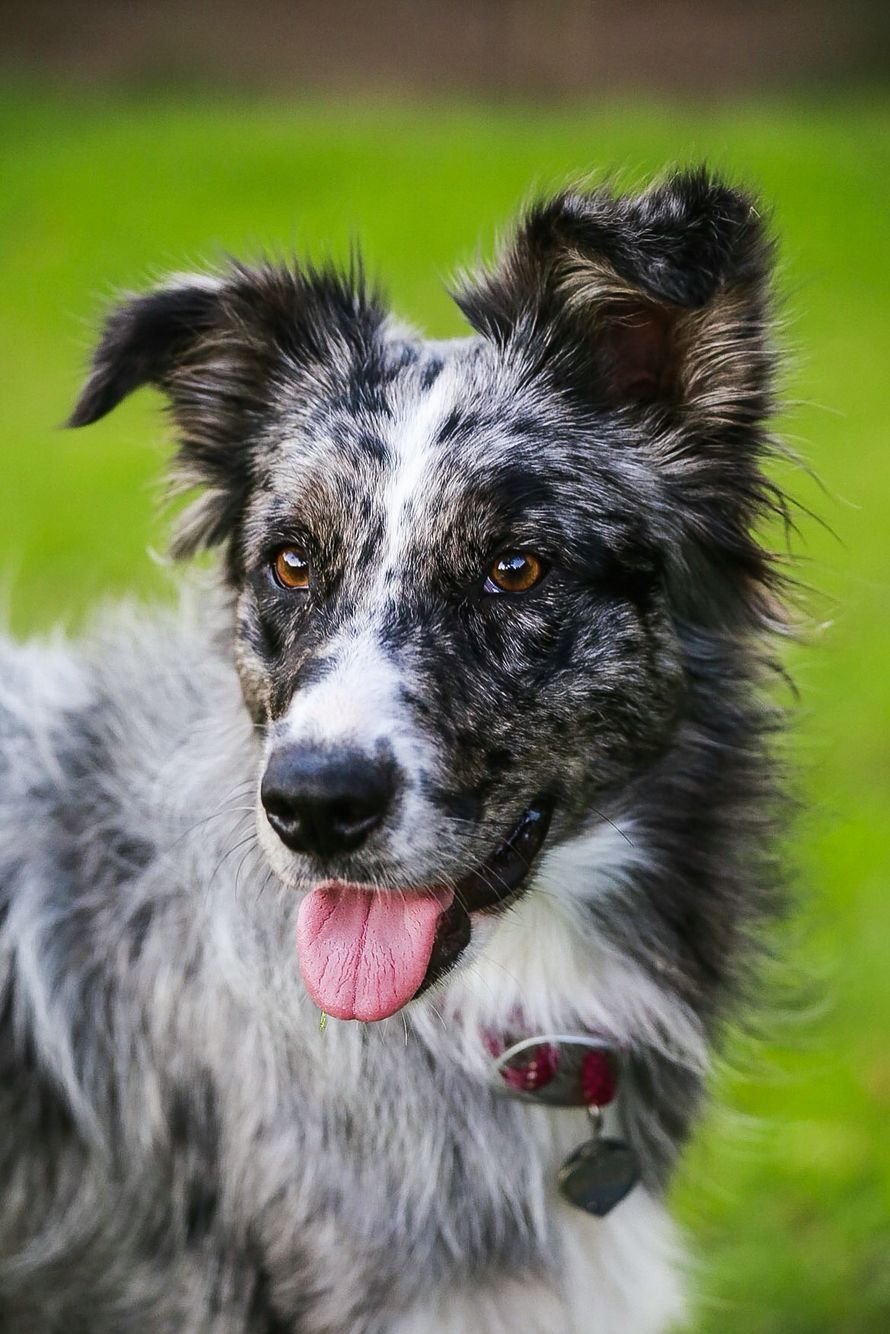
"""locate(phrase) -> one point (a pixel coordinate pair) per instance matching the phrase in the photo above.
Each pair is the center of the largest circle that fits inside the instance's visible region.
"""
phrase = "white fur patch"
(417, 421)
(546, 961)
(619, 1275)
(356, 704)
(358, 701)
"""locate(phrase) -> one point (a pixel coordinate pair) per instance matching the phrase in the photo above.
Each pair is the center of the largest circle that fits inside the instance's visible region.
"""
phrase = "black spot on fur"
(525, 427)
(459, 805)
(515, 490)
(365, 392)
(139, 926)
(456, 423)
(264, 633)
(431, 371)
(202, 1202)
(373, 446)
(403, 356)
(262, 1314)
(27, 1096)
(498, 759)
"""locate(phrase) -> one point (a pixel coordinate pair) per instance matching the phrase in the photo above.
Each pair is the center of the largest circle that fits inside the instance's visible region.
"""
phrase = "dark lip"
(490, 888)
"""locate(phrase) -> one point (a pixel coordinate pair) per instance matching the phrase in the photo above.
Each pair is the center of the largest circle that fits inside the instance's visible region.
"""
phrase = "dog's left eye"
(290, 567)
(514, 572)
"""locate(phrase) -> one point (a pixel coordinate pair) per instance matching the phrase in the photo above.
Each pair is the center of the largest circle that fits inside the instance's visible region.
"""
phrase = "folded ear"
(175, 338)
(144, 338)
(222, 349)
(656, 298)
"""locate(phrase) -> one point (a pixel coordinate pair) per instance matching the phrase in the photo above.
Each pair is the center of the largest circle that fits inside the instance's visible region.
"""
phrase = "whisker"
(250, 850)
(229, 853)
(618, 830)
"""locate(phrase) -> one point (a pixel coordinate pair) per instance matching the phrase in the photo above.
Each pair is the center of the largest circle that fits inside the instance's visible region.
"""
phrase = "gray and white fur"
(183, 1146)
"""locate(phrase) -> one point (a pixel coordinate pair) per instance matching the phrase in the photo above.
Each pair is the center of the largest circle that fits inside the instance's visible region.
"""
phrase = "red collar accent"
(562, 1070)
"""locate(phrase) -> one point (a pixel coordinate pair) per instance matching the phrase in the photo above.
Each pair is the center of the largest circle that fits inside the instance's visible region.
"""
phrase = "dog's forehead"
(439, 431)
(458, 405)
(453, 442)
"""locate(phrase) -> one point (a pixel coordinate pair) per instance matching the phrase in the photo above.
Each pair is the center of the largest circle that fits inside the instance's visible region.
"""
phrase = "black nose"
(326, 801)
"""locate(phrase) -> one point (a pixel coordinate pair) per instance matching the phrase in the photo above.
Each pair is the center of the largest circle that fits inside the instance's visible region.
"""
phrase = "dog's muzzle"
(365, 951)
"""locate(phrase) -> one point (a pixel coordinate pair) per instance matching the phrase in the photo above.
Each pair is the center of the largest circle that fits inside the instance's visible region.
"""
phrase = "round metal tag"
(598, 1175)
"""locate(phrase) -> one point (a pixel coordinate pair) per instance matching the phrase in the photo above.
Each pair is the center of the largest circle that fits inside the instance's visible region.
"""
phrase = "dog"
(368, 920)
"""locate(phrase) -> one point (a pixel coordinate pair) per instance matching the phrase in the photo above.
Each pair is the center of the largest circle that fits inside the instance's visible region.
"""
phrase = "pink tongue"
(363, 954)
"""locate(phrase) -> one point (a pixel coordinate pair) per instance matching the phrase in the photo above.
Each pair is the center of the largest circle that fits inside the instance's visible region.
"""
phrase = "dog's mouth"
(365, 953)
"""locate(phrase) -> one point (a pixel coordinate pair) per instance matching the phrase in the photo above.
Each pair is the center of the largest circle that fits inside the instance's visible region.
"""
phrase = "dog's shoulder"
(100, 721)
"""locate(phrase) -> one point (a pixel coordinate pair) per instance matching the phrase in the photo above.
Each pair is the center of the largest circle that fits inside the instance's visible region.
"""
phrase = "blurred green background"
(787, 1190)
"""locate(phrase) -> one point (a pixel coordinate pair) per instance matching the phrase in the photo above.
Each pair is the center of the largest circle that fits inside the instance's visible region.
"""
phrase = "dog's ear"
(656, 298)
(175, 338)
(143, 340)
(220, 349)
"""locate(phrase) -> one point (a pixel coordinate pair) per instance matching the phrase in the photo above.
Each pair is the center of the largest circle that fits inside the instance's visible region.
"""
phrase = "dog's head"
(465, 572)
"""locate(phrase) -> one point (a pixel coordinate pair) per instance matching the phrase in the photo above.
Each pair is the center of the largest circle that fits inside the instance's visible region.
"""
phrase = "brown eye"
(515, 572)
(291, 568)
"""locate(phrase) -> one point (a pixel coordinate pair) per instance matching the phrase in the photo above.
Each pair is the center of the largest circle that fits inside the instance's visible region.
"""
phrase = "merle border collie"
(366, 922)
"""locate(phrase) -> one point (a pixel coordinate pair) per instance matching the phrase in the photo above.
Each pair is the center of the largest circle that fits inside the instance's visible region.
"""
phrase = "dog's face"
(443, 577)
(456, 565)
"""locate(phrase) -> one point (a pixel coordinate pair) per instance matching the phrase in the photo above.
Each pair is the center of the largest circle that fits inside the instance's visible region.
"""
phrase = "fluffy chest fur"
(192, 1107)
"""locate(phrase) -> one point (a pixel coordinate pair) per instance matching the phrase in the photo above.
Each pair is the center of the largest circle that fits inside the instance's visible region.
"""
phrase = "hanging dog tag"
(598, 1175)
(574, 1070)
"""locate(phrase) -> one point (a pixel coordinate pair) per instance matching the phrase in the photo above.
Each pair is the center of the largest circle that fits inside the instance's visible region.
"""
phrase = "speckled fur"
(182, 1148)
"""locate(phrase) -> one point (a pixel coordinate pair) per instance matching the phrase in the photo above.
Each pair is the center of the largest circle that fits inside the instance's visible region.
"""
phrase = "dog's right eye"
(514, 572)
(290, 568)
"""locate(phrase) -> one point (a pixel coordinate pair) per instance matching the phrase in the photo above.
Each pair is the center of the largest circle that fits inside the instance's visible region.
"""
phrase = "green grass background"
(787, 1192)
